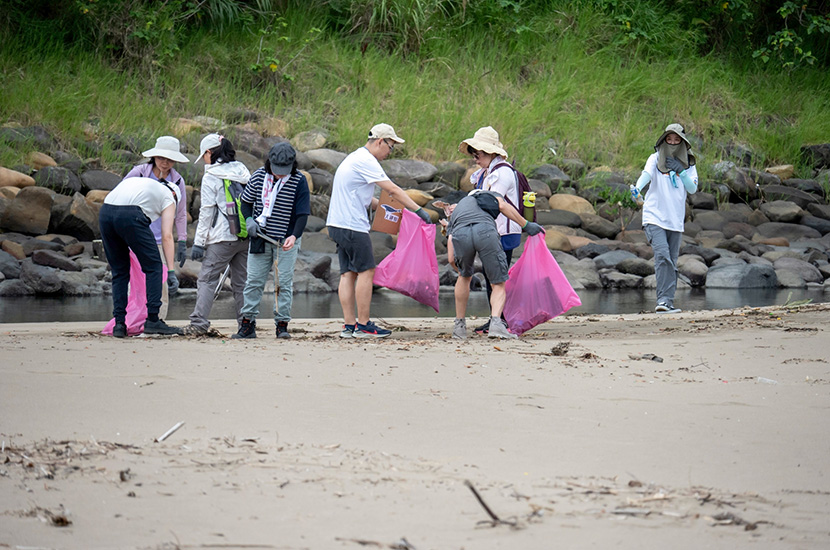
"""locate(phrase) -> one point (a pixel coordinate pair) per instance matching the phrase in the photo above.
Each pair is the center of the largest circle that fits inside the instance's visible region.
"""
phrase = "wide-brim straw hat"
(485, 139)
(166, 147)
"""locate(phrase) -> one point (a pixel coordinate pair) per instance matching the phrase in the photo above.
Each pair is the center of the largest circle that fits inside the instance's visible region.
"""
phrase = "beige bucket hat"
(167, 147)
(485, 139)
(674, 128)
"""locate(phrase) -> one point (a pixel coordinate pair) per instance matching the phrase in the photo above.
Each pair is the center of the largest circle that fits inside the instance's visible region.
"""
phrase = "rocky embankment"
(746, 228)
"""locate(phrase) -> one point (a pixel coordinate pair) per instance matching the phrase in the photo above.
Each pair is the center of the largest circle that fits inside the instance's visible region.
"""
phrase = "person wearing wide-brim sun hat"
(163, 157)
(497, 175)
(671, 174)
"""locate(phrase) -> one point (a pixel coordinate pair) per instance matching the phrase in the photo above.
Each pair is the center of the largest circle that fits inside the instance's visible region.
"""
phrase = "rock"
(9, 265)
(703, 201)
(322, 180)
(616, 280)
(599, 226)
(381, 239)
(99, 180)
(542, 192)
(782, 171)
(817, 156)
(271, 127)
(308, 179)
(819, 224)
(80, 220)
(74, 249)
(97, 196)
(763, 178)
(557, 241)
(184, 126)
(420, 198)
(15, 287)
(39, 160)
(575, 168)
(54, 259)
(465, 184)
(693, 268)
(29, 212)
(784, 193)
(30, 245)
(314, 224)
(403, 170)
(756, 218)
(558, 217)
(320, 206)
(13, 178)
(741, 276)
(578, 242)
(750, 259)
(571, 203)
(789, 279)
(739, 152)
(319, 242)
(251, 162)
(819, 210)
(305, 282)
(381, 252)
(21, 138)
(808, 186)
(320, 266)
(791, 232)
(14, 249)
(636, 266)
(326, 159)
(730, 261)
(8, 193)
(709, 255)
(447, 276)
(41, 279)
(449, 173)
(79, 284)
(710, 220)
(58, 179)
(782, 211)
(552, 176)
(591, 251)
(774, 255)
(612, 258)
(808, 272)
(435, 188)
(582, 273)
(732, 229)
(736, 179)
(312, 139)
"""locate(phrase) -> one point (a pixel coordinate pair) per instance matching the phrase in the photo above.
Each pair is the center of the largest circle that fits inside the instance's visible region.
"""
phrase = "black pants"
(125, 228)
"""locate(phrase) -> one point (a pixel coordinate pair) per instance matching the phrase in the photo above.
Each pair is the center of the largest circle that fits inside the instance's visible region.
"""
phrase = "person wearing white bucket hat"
(352, 193)
(490, 156)
(671, 174)
(163, 157)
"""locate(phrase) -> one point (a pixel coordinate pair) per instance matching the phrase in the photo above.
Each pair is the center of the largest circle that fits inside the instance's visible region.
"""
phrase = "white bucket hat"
(485, 139)
(167, 147)
(384, 131)
(208, 142)
(674, 128)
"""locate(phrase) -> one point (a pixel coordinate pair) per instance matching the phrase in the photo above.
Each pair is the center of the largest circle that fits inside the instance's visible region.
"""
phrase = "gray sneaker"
(193, 330)
(459, 331)
(499, 330)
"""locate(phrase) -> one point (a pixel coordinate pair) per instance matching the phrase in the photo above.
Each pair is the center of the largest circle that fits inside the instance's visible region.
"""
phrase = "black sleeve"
(299, 225)
(247, 209)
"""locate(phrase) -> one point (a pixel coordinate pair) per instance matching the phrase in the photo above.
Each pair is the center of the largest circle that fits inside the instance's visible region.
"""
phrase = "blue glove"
(197, 253)
(172, 283)
(181, 253)
(253, 227)
(424, 215)
(635, 194)
(533, 228)
(674, 165)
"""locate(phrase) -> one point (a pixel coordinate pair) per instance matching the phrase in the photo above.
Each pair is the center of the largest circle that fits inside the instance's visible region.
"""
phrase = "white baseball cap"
(208, 142)
(384, 131)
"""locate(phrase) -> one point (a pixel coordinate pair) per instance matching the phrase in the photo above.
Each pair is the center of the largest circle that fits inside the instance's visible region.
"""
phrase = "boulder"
(808, 186)
(183, 126)
(319, 242)
(703, 201)
(59, 179)
(741, 276)
(450, 173)
(578, 242)
(39, 160)
(407, 170)
(790, 231)
(736, 179)
(314, 224)
(756, 218)
(74, 249)
(571, 203)
(599, 226)
(730, 261)
(420, 198)
(542, 191)
(819, 210)
(97, 196)
(322, 180)
(326, 159)
(709, 255)
(808, 272)
(29, 212)
(784, 193)
(693, 268)
(305, 282)
(616, 280)
(13, 178)
(26, 138)
(575, 168)
(612, 258)
(557, 241)
(80, 220)
(782, 211)
(582, 274)
(435, 188)
(710, 220)
(558, 217)
(54, 259)
(16, 250)
(782, 171)
(9, 265)
(15, 287)
(732, 229)
(750, 259)
(99, 180)
(30, 245)
(447, 276)
(312, 139)
(789, 279)
(41, 279)
(636, 266)
(7, 193)
(591, 251)
(817, 156)
(819, 224)
(552, 176)
(320, 206)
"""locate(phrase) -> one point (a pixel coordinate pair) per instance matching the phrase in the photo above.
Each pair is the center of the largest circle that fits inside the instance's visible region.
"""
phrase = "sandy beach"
(695, 430)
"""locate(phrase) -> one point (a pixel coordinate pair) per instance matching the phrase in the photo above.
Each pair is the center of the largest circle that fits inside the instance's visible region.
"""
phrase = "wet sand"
(574, 436)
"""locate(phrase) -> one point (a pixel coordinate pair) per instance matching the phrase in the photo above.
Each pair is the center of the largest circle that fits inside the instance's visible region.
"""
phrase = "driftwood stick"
(480, 500)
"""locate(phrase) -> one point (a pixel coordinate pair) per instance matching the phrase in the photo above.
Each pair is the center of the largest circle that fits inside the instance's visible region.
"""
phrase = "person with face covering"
(671, 174)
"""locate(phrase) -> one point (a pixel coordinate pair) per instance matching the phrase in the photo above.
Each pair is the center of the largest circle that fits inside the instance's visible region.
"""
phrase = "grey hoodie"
(213, 197)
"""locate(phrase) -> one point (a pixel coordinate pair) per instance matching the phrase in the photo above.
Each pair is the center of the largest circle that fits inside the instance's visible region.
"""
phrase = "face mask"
(665, 150)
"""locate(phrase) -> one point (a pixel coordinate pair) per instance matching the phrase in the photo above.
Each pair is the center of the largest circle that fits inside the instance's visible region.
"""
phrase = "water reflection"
(391, 304)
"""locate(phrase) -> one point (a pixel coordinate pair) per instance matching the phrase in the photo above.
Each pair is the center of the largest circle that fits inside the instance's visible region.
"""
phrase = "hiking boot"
(193, 330)
(370, 330)
(459, 331)
(119, 330)
(665, 307)
(347, 332)
(282, 330)
(483, 329)
(246, 330)
(160, 327)
(499, 330)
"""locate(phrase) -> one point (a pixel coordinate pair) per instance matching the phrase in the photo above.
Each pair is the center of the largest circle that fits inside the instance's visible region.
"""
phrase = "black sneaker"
(247, 330)
(282, 330)
(483, 329)
(160, 327)
(119, 330)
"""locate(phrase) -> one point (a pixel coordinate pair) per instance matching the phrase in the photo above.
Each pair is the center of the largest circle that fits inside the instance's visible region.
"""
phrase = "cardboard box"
(388, 215)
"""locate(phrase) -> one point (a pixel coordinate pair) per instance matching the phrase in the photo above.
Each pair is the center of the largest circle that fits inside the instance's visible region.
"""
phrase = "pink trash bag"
(412, 268)
(537, 290)
(137, 302)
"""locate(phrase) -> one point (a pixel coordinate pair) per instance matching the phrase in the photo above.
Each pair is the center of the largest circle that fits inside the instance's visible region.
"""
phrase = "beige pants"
(165, 300)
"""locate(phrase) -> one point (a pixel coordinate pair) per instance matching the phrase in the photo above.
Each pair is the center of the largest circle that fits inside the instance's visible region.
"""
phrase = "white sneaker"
(499, 330)
(663, 307)
(459, 331)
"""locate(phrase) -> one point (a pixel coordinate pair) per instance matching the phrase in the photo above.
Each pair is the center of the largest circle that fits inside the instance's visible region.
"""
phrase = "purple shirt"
(146, 171)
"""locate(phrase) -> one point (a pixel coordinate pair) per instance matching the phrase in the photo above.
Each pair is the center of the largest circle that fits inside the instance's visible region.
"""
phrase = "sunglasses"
(474, 152)
(390, 145)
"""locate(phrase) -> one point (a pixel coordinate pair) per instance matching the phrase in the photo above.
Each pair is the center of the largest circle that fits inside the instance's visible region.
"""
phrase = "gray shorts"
(354, 249)
(481, 238)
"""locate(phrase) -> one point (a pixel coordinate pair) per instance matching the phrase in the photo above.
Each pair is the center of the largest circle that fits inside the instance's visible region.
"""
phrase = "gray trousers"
(666, 246)
(217, 257)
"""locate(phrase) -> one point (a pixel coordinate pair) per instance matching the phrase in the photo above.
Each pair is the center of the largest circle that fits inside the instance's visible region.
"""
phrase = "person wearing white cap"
(124, 220)
(348, 226)
(214, 244)
(497, 175)
(160, 167)
(671, 174)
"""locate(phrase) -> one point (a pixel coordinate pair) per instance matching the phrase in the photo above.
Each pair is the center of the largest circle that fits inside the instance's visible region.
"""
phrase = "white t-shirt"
(665, 203)
(502, 181)
(353, 189)
(147, 193)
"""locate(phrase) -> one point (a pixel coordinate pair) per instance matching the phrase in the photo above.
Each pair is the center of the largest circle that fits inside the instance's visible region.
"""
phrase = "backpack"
(233, 208)
(526, 195)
